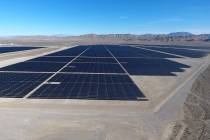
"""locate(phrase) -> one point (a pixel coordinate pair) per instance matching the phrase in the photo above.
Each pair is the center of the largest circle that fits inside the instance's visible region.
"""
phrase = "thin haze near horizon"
(75, 17)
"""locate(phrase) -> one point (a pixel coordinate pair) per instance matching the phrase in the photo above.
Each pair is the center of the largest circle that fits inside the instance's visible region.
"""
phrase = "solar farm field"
(98, 91)
(97, 72)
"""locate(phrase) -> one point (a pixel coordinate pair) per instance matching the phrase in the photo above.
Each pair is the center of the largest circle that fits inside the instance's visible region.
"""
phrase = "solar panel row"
(23, 77)
(16, 89)
(100, 87)
(95, 60)
(155, 67)
(75, 51)
(126, 51)
(16, 49)
(97, 51)
(17, 85)
(34, 67)
(203, 48)
(181, 51)
(93, 68)
(91, 78)
(52, 59)
(88, 91)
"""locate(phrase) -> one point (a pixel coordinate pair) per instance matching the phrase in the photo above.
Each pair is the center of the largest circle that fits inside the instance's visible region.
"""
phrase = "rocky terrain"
(196, 123)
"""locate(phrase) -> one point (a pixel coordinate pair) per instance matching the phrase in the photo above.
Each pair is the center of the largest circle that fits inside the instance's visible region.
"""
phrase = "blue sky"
(74, 17)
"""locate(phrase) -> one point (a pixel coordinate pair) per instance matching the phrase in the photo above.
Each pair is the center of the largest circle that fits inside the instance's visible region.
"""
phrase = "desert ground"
(171, 111)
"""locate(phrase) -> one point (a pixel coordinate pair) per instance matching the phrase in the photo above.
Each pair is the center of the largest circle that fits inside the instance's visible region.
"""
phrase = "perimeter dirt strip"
(196, 123)
(190, 79)
(34, 90)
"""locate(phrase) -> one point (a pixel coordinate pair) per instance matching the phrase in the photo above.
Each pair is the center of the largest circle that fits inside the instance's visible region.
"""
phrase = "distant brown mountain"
(176, 36)
(162, 37)
(181, 34)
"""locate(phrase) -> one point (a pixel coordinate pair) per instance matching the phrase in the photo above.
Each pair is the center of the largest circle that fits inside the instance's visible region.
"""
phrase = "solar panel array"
(83, 72)
(89, 72)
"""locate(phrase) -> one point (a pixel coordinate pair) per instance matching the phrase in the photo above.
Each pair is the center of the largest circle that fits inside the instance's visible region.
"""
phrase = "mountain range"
(176, 36)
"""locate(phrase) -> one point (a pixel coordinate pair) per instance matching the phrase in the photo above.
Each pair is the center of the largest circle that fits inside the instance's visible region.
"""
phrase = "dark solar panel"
(23, 77)
(148, 53)
(206, 48)
(91, 78)
(16, 49)
(75, 51)
(34, 67)
(97, 51)
(17, 85)
(106, 87)
(122, 51)
(16, 89)
(94, 68)
(53, 59)
(158, 67)
(126, 51)
(182, 52)
(95, 60)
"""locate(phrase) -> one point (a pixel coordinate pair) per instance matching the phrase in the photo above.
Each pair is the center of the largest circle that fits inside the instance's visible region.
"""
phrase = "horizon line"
(66, 35)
